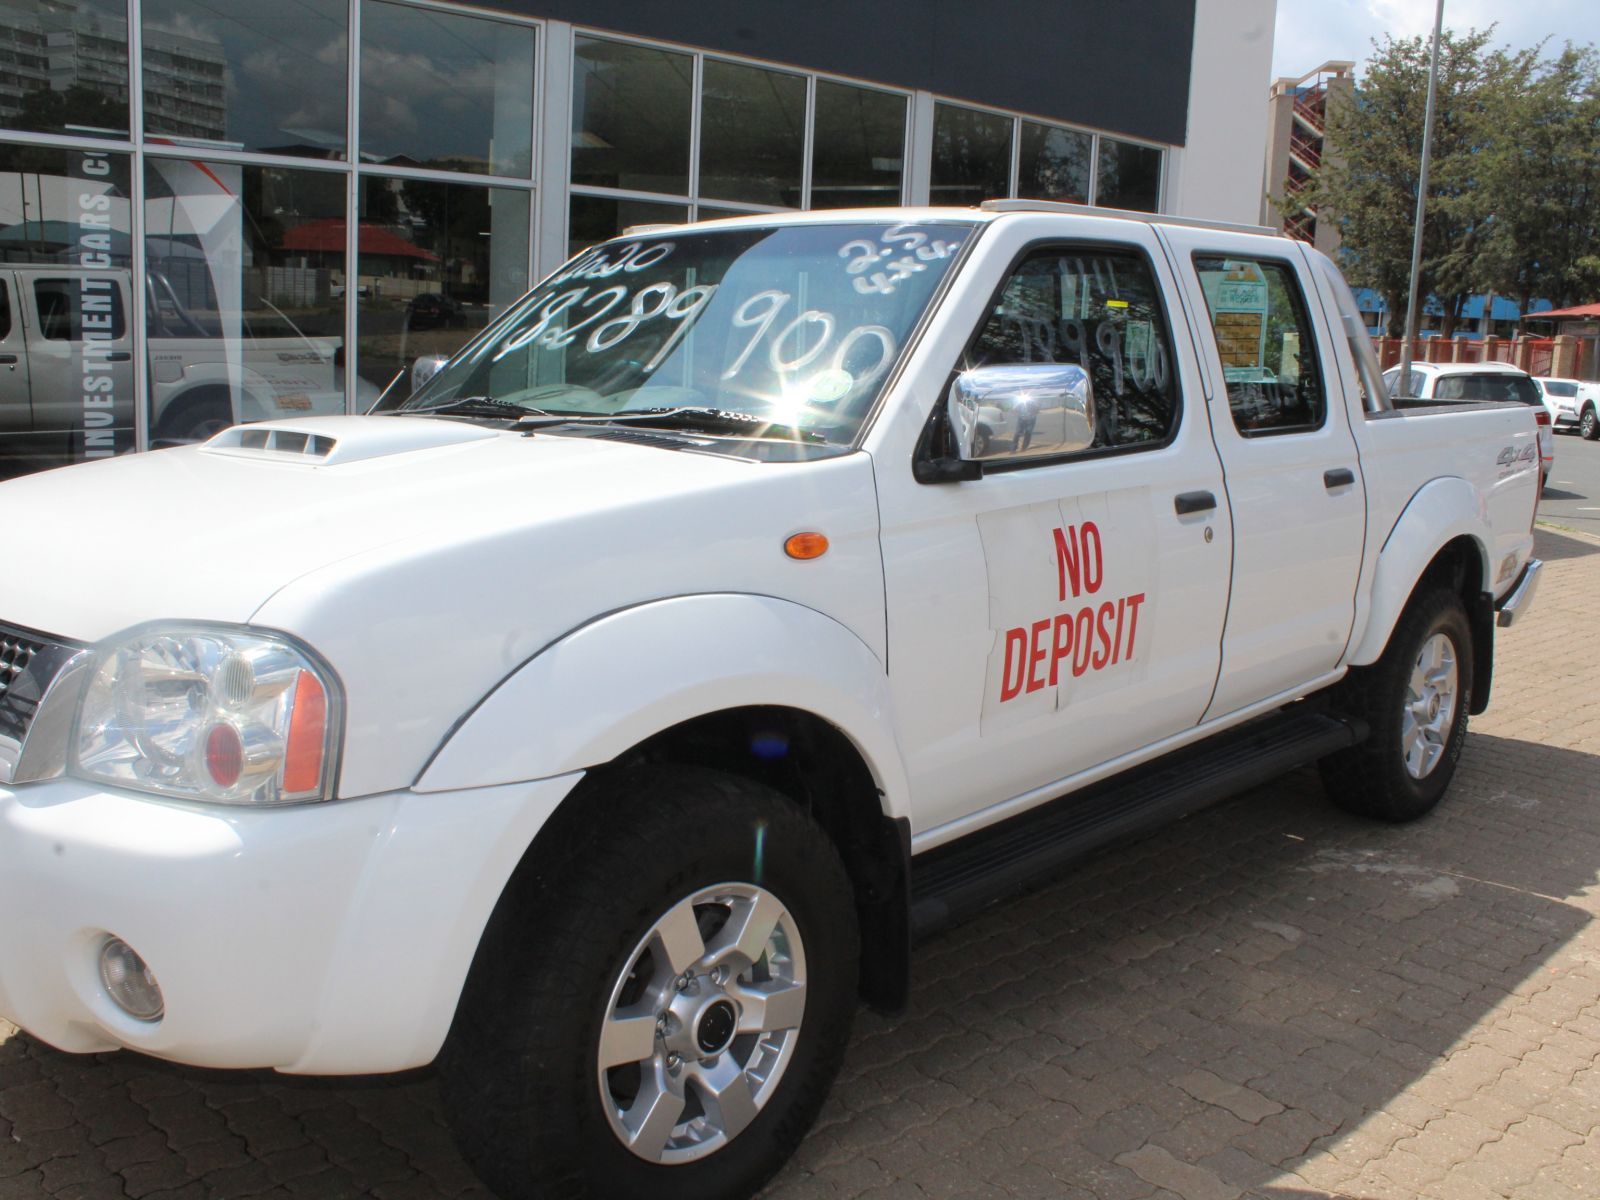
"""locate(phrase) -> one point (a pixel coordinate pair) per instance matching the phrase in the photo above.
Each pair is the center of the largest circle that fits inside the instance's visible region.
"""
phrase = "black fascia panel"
(1117, 65)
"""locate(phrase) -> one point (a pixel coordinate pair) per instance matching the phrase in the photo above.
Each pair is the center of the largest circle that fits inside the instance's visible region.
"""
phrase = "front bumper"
(318, 939)
(1519, 599)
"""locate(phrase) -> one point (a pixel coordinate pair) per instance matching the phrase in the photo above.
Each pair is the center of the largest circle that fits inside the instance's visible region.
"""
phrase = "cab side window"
(1100, 309)
(5, 310)
(1267, 344)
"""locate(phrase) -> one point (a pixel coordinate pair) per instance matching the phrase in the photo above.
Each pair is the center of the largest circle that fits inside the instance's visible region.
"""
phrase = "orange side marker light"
(806, 546)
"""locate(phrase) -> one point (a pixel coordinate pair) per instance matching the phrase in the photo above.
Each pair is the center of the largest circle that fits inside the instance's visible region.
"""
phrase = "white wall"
(1218, 173)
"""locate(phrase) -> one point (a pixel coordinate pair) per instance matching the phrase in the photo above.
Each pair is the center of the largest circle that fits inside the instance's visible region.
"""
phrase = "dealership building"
(214, 210)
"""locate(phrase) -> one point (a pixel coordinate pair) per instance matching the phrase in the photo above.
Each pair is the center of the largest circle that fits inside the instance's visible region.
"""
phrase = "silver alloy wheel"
(1430, 706)
(702, 1023)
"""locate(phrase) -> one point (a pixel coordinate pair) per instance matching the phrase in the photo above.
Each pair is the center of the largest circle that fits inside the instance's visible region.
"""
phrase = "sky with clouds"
(1311, 32)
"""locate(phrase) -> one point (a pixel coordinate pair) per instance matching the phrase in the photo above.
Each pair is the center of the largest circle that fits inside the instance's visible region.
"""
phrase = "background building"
(1297, 145)
(287, 203)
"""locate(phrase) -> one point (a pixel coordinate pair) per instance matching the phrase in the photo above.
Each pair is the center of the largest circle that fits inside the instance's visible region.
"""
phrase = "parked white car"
(1573, 404)
(608, 717)
(1479, 382)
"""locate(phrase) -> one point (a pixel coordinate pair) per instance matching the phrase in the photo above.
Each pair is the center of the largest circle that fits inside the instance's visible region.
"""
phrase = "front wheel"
(1589, 425)
(1415, 699)
(659, 1005)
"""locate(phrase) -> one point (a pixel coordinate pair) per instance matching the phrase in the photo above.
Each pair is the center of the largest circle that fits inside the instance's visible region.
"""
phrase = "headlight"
(224, 715)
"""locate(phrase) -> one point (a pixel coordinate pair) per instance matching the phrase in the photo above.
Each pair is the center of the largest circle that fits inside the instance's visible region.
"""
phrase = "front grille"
(28, 665)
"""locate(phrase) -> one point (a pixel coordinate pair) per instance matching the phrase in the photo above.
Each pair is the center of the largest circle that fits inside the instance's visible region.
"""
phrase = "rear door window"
(1267, 344)
(69, 307)
(1516, 389)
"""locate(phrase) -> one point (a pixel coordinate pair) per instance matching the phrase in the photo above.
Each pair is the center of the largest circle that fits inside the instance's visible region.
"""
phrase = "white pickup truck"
(607, 718)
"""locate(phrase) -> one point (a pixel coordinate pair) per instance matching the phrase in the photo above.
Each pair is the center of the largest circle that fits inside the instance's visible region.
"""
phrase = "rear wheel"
(1415, 699)
(660, 1006)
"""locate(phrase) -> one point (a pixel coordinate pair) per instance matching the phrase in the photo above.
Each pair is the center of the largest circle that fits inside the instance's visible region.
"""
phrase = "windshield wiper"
(708, 420)
(476, 406)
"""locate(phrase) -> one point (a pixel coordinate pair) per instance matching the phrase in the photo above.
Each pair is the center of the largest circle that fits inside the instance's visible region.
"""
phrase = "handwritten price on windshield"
(912, 247)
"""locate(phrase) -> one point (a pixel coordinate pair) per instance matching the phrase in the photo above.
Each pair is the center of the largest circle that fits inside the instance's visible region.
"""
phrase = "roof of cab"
(989, 210)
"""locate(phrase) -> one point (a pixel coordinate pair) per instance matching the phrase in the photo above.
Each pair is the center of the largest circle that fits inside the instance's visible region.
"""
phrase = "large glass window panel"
(1130, 176)
(596, 218)
(445, 90)
(1054, 164)
(630, 116)
(64, 66)
(66, 290)
(752, 134)
(971, 155)
(858, 156)
(246, 297)
(248, 75)
(438, 262)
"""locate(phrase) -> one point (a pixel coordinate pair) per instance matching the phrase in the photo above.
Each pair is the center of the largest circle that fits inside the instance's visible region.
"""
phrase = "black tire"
(520, 1070)
(1589, 425)
(1372, 779)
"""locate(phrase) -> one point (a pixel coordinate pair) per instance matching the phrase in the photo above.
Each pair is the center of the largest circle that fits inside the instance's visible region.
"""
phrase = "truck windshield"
(797, 326)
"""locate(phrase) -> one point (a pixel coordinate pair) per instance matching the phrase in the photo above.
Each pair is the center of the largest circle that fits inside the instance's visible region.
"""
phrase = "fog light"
(129, 981)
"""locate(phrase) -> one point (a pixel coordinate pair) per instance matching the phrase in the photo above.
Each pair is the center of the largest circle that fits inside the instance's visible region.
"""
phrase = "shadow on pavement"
(1553, 545)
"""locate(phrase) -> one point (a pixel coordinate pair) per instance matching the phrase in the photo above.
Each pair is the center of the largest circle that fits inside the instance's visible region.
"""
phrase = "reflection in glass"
(438, 262)
(1054, 164)
(1130, 176)
(596, 218)
(971, 155)
(246, 298)
(710, 212)
(446, 91)
(247, 75)
(859, 152)
(630, 116)
(64, 66)
(66, 349)
(752, 134)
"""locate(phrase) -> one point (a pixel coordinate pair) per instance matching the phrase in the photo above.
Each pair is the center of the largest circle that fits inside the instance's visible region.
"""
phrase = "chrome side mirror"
(425, 369)
(1021, 410)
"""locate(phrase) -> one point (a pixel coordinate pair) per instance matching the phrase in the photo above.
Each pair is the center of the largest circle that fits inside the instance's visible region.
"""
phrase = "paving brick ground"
(1270, 999)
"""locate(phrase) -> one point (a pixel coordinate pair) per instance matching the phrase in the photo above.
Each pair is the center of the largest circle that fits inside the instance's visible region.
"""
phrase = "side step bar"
(958, 879)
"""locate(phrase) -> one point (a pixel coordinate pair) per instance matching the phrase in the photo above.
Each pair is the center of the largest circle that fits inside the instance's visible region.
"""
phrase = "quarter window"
(1100, 309)
(1267, 345)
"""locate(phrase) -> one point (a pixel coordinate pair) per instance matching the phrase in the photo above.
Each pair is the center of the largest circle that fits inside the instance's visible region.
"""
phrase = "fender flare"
(609, 685)
(1440, 512)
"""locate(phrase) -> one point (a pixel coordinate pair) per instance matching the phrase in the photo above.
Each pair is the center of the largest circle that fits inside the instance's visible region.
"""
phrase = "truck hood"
(210, 532)
(427, 559)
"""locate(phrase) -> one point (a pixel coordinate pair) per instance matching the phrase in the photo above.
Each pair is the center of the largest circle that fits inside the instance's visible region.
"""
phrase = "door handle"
(1193, 502)
(118, 356)
(8, 358)
(1338, 477)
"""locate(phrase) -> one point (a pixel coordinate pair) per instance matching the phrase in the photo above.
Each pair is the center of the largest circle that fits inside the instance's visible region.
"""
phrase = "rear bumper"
(1519, 599)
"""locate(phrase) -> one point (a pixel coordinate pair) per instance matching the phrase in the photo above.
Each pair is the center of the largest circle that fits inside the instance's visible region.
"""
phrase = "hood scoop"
(330, 441)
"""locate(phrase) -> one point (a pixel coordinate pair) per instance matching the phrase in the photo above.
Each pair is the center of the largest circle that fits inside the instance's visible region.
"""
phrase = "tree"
(1543, 173)
(1514, 181)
